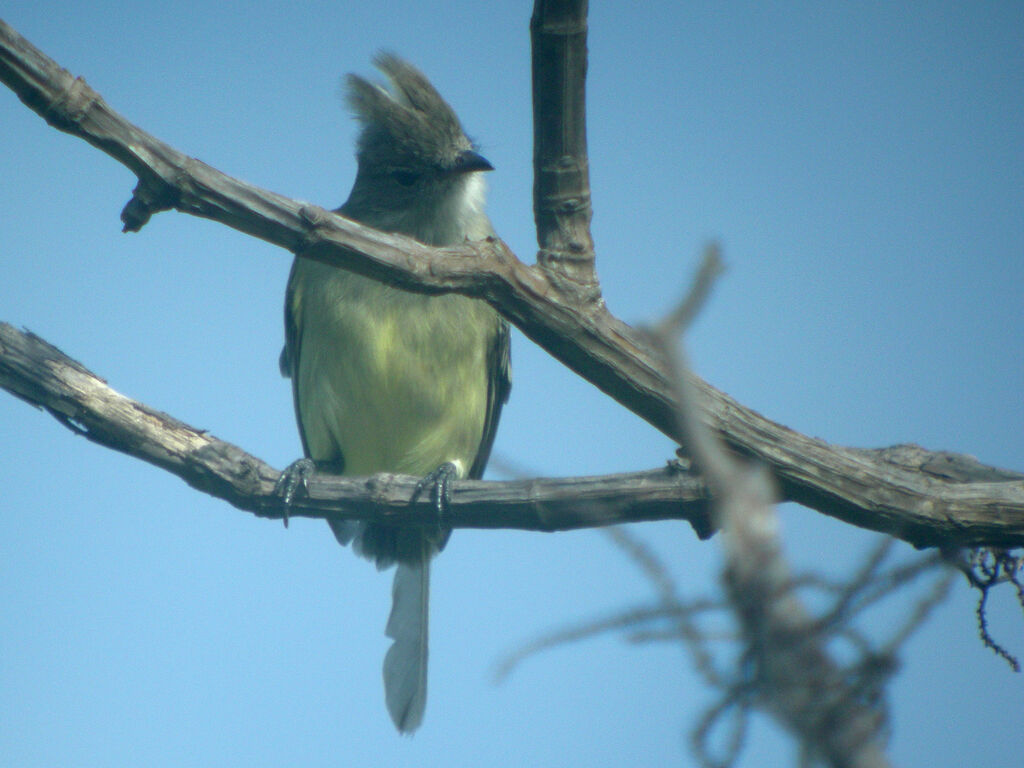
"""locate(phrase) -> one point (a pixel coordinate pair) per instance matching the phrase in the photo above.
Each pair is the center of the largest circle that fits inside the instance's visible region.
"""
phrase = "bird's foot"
(296, 475)
(440, 479)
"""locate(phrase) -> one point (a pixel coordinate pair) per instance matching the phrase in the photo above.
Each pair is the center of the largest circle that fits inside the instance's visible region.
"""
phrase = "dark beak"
(471, 161)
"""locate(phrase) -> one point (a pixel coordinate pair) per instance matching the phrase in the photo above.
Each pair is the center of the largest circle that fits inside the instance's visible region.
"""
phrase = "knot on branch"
(149, 196)
(71, 105)
(313, 218)
(154, 193)
(571, 273)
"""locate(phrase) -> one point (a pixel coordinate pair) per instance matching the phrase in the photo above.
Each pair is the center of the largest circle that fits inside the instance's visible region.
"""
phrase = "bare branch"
(44, 376)
(561, 181)
(871, 489)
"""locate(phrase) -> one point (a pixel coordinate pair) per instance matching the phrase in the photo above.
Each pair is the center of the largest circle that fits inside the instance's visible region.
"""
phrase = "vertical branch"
(561, 187)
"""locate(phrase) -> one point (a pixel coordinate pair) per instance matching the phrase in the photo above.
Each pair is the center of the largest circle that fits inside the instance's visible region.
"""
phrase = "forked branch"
(555, 303)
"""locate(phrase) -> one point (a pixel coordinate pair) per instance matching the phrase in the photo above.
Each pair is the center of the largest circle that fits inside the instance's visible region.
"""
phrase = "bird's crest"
(409, 124)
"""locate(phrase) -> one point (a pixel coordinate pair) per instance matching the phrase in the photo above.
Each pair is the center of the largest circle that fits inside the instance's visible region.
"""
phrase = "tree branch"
(43, 376)
(871, 489)
(561, 182)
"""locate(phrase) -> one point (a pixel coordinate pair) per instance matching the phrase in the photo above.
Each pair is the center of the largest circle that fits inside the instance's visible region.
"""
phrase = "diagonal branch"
(873, 489)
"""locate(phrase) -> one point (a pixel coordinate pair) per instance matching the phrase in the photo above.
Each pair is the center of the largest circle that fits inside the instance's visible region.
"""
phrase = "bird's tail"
(405, 666)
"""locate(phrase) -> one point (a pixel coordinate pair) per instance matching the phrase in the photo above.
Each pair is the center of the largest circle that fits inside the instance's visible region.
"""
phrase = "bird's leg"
(294, 476)
(440, 479)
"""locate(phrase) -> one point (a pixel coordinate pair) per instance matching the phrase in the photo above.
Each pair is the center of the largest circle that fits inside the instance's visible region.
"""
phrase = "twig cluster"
(986, 568)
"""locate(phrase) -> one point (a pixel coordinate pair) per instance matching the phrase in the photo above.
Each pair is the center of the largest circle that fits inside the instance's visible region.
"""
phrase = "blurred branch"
(556, 303)
(43, 376)
(627, 619)
(816, 690)
(792, 676)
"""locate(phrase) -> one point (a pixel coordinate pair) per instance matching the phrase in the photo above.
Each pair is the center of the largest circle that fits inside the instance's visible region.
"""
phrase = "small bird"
(385, 380)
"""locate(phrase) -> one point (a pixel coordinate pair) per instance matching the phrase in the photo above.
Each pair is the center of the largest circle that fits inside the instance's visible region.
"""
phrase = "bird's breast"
(394, 381)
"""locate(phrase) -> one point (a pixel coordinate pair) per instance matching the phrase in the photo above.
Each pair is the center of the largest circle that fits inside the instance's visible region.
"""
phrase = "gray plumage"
(390, 381)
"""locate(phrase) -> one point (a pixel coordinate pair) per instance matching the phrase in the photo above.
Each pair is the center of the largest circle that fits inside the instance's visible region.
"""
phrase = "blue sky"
(861, 164)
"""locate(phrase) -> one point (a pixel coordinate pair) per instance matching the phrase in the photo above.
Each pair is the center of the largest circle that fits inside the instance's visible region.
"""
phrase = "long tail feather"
(405, 666)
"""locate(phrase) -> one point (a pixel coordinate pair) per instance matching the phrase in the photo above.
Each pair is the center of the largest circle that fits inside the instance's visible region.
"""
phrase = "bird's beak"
(471, 161)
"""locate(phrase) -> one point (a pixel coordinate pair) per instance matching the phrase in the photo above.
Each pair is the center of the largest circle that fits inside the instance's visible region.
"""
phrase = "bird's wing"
(292, 341)
(499, 365)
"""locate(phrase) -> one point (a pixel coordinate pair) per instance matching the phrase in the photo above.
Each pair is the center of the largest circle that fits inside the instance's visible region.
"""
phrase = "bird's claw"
(296, 475)
(440, 479)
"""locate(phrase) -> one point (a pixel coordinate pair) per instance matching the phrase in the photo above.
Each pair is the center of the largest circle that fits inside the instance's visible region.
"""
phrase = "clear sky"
(863, 167)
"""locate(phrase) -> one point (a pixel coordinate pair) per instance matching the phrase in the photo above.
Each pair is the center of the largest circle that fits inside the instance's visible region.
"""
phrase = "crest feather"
(409, 124)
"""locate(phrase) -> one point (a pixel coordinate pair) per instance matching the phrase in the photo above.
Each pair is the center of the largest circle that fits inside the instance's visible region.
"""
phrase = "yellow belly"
(391, 381)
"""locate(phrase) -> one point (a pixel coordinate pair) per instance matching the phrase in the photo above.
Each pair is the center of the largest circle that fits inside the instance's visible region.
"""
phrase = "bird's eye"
(405, 178)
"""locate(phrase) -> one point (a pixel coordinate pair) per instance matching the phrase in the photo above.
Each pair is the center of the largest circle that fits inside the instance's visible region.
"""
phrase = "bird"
(386, 380)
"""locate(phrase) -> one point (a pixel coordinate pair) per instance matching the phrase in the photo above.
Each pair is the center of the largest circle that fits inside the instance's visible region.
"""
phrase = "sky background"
(863, 167)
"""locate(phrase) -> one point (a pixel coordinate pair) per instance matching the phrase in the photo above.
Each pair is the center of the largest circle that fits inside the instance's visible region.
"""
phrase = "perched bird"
(390, 381)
